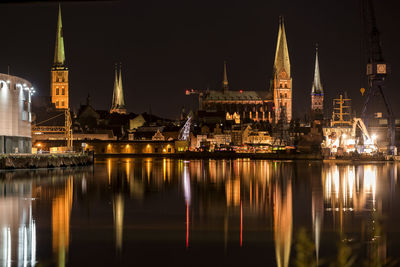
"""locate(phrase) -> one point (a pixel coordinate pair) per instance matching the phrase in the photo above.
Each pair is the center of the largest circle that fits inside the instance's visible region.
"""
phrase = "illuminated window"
(285, 95)
(62, 103)
(57, 103)
(63, 91)
(57, 91)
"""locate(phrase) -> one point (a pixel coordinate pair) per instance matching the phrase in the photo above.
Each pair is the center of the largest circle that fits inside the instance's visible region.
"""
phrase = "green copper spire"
(225, 85)
(317, 85)
(59, 54)
(282, 61)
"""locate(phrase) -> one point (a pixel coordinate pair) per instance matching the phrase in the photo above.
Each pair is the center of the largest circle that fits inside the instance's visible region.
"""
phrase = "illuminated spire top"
(317, 85)
(225, 85)
(121, 100)
(118, 102)
(59, 54)
(282, 62)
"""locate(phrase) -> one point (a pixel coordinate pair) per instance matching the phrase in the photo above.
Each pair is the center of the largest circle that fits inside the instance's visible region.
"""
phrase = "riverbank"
(34, 161)
(218, 155)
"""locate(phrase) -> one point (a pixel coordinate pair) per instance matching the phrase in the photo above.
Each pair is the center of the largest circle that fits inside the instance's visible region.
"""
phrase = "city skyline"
(167, 48)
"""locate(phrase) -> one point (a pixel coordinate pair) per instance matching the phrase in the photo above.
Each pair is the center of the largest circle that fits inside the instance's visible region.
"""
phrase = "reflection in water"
(17, 226)
(61, 211)
(283, 212)
(216, 207)
(187, 193)
(317, 207)
(352, 190)
(118, 209)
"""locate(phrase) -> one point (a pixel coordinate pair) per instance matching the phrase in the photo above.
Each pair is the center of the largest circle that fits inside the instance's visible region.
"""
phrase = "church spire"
(121, 100)
(317, 85)
(225, 85)
(282, 62)
(118, 102)
(59, 54)
(115, 91)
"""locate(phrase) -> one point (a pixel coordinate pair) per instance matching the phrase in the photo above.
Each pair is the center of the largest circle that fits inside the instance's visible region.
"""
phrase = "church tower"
(317, 92)
(118, 102)
(225, 84)
(59, 72)
(282, 81)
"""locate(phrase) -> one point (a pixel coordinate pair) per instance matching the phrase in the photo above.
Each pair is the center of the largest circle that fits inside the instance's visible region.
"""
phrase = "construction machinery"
(66, 129)
(377, 70)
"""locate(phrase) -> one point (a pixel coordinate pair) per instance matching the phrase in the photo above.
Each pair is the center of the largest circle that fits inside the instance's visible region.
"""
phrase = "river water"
(135, 212)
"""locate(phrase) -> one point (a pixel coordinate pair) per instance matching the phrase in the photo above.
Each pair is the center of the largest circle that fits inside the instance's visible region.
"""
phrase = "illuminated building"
(317, 92)
(118, 102)
(242, 105)
(59, 72)
(282, 80)
(15, 114)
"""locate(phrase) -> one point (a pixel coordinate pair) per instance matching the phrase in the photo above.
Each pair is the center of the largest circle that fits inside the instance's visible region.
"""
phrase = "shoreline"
(38, 161)
(252, 156)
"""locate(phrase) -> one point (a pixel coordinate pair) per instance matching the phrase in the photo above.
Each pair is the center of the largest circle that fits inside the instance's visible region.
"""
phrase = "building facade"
(244, 105)
(59, 71)
(15, 114)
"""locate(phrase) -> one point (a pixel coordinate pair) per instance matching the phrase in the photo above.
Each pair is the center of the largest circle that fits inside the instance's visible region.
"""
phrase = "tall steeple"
(59, 72)
(225, 85)
(282, 81)
(317, 85)
(317, 92)
(118, 103)
(59, 54)
(282, 61)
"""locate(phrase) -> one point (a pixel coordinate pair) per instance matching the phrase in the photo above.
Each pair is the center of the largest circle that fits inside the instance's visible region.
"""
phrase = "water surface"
(149, 211)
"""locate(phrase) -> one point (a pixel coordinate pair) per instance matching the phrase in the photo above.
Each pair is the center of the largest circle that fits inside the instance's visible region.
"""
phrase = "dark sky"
(168, 46)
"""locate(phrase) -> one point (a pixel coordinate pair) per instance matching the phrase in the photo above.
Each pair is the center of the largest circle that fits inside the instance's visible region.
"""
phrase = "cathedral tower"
(118, 102)
(317, 92)
(282, 81)
(59, 72)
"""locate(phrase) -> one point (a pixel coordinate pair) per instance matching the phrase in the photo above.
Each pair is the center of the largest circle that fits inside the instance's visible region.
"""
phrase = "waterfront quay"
(34, 161)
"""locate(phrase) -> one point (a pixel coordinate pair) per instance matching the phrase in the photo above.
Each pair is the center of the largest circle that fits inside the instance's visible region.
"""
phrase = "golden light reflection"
(128, 170)
(347, 188)
(109, 170)
(164, 169)
(118, 211)
(61, 212)
(148, 169)
(283, 222)
(232, 191)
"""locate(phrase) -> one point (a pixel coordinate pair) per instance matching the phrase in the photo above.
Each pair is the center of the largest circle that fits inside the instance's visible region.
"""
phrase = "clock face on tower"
(381, 68)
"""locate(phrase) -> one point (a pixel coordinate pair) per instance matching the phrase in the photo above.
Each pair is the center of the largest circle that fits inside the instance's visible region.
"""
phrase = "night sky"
(168, 46)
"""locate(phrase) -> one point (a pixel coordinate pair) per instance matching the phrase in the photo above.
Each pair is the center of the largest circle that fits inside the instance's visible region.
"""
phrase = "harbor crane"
(66, 129)
(377, 70)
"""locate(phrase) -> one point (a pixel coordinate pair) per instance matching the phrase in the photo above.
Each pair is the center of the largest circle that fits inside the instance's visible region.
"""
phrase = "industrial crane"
(66, 129)
(377, 69)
